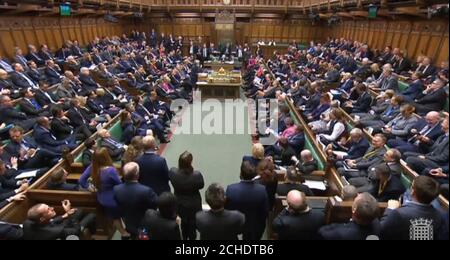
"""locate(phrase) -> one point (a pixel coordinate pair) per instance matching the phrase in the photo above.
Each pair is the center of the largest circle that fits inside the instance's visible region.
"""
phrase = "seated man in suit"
(33, 72)
(438, 155)
(163, 224)
(9, 115)
(414, 89)
(307, 164)
(77, 118)
(115, 148)
(9, 231)
(218, 223)
(34, 56)
(401, 125)
(5, 65)
(386, 186)
(364, 221)
(359, 167)
(45, 139)
(133, 198)
(19, 58)
(30, 106)
(63, 130)
(45, 53)
(251, 199)
(58, 181)
(28, 153)
(43, 224)
(53, 73)
(10, 188)
(88, 83)
(353, 148)
(397, 218)
(432, 98)
(298, 221)
(391, 159)
(362, 104)
(6, 85)
(20, 79)
(421, 136)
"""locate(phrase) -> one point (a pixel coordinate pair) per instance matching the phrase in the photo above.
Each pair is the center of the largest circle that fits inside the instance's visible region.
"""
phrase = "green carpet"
(217, 156)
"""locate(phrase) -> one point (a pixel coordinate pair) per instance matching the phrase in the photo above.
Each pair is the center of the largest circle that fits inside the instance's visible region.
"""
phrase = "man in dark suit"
(10, 231)
(386, 186)
(26, 151)
(251, 200)
(414, 89)
(432, 99)
(438, 155)
(307, 164)
(401, 64)
(364, 221)
(21, 80)
(115, 148)
(77, 118)
(30, 106)
(133, 198)
(45, 139)
(43, 224)
(87, 81)
(53, 73)
(58, 181)
(45, 97)
(362, 104)
(5, 65)
(218, 223)
(426, 68)
(163, 223)
(358, 167)
(33, 72)
(422, 136)
(19, 58)
(34, 56)
(45, 53)
(398, 219)
(76, 50)
(355, 148)
(154, 170)
(9, 115)
(298, 221)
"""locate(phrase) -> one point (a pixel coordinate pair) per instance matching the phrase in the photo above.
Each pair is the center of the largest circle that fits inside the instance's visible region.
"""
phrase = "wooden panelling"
(21, 31)
(415, 37)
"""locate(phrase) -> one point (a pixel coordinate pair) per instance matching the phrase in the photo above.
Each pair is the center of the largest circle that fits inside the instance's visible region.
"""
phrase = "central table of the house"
(221, 83)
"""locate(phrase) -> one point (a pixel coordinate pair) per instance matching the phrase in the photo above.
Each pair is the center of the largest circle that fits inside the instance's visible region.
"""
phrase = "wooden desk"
(218, 86)
(216, 65)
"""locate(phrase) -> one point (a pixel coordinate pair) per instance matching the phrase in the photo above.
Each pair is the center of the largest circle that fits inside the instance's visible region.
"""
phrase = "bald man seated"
(298, 221)
(421, 136)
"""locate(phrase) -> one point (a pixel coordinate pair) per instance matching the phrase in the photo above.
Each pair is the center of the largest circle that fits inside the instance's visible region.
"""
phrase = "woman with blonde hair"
(135, 150)
(257, 154)
(101, 177)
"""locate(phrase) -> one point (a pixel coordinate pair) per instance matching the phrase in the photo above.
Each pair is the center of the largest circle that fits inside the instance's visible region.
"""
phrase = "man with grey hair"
(354, 148)
(364, 221)
(421, 136)
(307, 164)
(349, 193)
(133, 198)
(298, 221)
(154, 169)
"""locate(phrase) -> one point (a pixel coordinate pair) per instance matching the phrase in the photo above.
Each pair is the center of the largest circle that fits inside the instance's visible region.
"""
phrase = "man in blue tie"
(19, 58)
(115, 148)
(4, 64)
(421, 140)
(21, 80)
